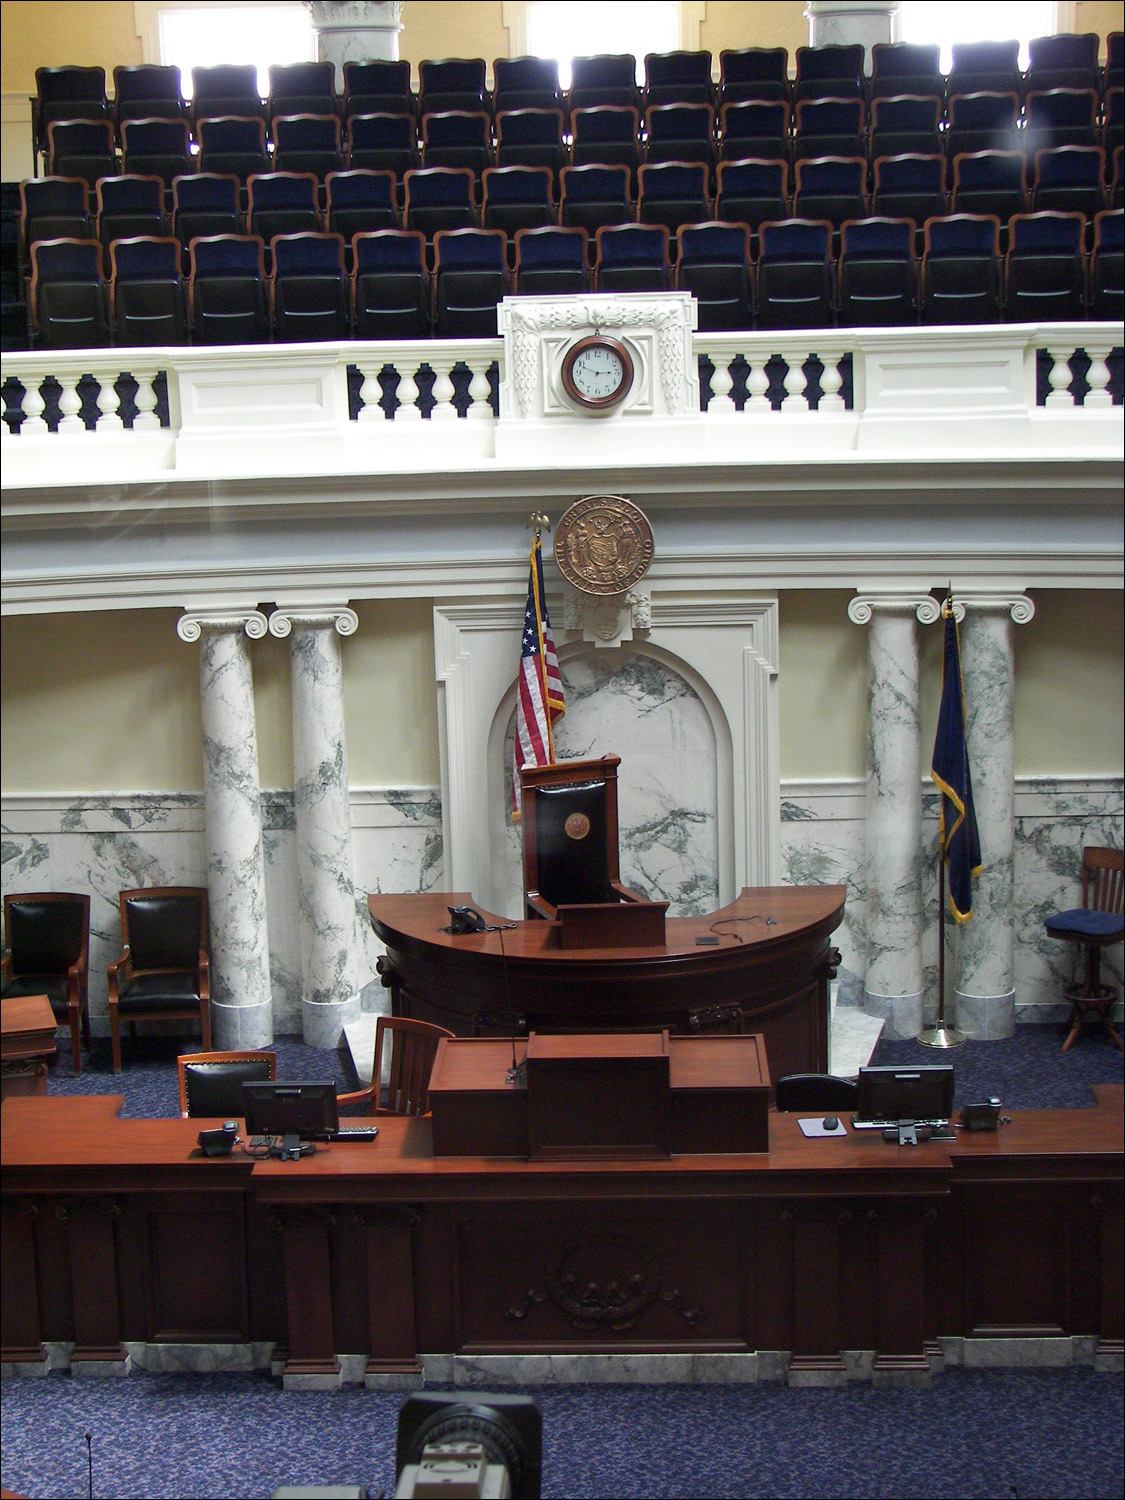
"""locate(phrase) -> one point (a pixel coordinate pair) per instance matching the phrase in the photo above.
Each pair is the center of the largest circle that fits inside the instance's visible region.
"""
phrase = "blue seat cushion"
(1086, 923)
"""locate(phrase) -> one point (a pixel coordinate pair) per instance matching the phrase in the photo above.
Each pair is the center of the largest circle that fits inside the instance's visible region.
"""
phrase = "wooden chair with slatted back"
(413, 1048)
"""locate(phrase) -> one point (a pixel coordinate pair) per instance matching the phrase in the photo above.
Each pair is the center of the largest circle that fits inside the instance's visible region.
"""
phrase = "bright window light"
(584, 28)
(259, 34)
(949, 21)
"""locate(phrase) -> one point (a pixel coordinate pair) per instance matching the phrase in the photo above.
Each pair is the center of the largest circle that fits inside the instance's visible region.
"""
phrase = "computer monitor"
(891, 1096)
(305, 1110)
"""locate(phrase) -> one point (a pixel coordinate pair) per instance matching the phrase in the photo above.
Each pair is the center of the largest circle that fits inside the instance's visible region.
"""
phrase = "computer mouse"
(830, 1122)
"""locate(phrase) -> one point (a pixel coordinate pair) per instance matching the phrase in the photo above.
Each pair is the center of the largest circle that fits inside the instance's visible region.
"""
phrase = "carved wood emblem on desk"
(605, 1281)
(603, 544)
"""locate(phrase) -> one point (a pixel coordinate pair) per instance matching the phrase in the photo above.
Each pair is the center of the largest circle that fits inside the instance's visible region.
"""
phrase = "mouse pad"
(816, 1127)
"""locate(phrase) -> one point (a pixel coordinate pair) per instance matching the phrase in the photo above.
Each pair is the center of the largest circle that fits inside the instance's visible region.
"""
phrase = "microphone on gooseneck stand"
(516, 1076)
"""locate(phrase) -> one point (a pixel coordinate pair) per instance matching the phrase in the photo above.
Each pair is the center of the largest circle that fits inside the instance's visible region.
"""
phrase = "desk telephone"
(464, 919)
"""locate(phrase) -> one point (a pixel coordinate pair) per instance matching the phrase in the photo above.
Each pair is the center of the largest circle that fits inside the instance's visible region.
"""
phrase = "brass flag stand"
(939, 1034)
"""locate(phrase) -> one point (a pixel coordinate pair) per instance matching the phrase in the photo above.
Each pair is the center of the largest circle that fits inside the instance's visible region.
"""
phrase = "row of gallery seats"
(1067, 179)
(601, 134)
(795, 277)
(147, 90)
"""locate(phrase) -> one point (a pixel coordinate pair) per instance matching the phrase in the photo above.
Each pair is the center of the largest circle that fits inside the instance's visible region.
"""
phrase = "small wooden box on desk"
(608, 1096)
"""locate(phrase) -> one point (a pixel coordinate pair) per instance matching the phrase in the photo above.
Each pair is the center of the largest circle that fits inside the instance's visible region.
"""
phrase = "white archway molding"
(725, 648)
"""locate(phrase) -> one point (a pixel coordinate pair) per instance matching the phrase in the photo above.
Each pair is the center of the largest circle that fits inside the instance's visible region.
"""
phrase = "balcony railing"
(102, 413)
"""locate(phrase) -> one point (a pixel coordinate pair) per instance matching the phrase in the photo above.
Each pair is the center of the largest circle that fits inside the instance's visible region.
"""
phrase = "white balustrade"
(898, 376)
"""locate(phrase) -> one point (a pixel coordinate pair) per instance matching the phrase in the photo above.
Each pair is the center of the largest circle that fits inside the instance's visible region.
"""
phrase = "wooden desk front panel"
(113, 1232)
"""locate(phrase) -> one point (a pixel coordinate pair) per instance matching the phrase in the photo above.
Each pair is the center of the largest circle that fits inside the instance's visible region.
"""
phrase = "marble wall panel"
(108, 844)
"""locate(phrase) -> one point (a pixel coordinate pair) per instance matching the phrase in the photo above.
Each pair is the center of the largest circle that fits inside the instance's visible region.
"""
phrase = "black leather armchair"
(211, 1082)
(47, 946)
(164, 971)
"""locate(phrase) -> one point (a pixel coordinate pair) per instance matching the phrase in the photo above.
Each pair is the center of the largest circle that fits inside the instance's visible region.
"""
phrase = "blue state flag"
(957, 827)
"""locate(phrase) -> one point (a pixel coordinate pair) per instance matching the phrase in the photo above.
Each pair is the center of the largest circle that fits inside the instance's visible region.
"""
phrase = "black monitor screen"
(307, 1110)
(904, 1093)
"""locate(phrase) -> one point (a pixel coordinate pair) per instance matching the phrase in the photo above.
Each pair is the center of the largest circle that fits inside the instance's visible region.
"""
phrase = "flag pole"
(939, 1034)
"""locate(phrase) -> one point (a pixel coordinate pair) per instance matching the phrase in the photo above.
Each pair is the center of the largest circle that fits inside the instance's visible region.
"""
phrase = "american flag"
(539, 700)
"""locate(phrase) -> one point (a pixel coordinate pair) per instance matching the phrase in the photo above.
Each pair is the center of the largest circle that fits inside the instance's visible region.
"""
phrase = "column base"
(986, 1018)
(901, 1014)
(323, 1021)
(238, 1027)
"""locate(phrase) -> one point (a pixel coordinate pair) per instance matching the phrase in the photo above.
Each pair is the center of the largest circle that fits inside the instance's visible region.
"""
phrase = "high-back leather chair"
(413, 1049)
(211, 1082)
(46, 952)
(569, 818)
(163, 973)
(1099, 921)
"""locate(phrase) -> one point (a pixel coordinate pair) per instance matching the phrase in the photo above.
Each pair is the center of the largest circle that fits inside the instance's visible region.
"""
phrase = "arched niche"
(724, 653)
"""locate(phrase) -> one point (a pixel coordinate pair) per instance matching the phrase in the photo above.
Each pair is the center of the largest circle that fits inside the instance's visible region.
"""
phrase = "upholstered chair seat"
(164, 971)
(47, 939)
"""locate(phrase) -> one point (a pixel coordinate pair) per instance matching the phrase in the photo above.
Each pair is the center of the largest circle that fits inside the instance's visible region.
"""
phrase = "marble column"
(984, 996)
(325, 880)
(893, 974)
(355, 31)
(845, 22)
(241, 997)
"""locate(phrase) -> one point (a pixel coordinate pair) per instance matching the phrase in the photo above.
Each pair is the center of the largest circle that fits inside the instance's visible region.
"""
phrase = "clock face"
(597, 373)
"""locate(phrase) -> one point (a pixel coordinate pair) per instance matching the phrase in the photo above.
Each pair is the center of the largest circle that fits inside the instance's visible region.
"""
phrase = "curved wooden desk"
(769, 977)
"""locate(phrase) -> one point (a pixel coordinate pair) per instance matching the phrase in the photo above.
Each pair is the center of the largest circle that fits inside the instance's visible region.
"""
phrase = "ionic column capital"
(863, 608)
(995, 601)
(238, 619)
(318, 614)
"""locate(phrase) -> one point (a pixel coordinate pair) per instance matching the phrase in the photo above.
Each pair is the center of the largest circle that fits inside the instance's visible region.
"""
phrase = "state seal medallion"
(603, 544)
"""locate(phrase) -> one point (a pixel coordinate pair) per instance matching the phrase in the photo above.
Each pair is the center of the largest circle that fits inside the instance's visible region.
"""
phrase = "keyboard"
(357, 1133)
(858, 1124)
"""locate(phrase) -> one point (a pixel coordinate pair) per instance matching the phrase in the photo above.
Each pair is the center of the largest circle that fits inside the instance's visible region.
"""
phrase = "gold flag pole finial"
(539, 521)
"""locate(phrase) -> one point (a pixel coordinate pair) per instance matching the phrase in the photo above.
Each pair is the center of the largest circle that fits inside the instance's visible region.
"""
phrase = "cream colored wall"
(1069, 685)
(99, 703)
(452, 28)
(822, 687)
(47, 35)
(766, 23)
(109, 702)
(1102, 16)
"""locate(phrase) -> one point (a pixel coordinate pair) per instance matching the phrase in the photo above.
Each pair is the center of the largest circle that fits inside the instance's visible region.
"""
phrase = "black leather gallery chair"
(211, 1082)
(164, 971)
(46, 952)
(570, 846)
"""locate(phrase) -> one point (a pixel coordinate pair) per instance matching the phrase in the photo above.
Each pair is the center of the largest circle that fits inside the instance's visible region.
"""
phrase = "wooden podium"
(604, 1097)
(612, 924)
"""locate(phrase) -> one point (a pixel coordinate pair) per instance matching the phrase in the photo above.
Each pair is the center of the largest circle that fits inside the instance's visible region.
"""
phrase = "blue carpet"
(974, 1433)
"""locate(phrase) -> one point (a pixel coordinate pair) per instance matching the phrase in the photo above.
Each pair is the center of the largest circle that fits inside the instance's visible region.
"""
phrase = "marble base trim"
(985, 1018)
(901, 1014)
(241, 1026)
(1019, 1353)
(198, 1359)
(323, 1021)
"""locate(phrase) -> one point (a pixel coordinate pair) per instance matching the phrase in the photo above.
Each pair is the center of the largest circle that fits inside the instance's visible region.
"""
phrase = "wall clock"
(597, 373)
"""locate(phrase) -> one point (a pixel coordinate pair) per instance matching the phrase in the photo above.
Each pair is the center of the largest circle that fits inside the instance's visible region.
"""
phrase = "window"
(581, 28)
(949, 21)
(201, 36)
